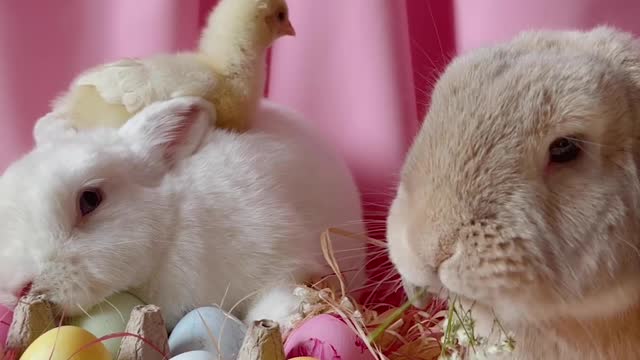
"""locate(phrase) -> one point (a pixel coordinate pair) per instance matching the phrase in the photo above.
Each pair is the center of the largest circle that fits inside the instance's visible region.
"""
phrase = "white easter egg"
(195, 355)
(196, 329)
(109, 317)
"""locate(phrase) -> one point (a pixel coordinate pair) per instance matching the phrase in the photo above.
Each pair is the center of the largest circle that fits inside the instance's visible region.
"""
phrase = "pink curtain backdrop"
(361, 69)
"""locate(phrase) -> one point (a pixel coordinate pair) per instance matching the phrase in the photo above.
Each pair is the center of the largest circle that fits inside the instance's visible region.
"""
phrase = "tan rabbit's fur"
(552, 249)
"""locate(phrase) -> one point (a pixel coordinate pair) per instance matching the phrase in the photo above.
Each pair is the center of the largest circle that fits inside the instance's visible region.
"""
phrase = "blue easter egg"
(196, 329)
(195, 355)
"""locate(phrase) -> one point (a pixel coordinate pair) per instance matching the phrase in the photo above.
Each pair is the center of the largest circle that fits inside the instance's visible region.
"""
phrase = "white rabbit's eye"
(89, 200)
(563, 150)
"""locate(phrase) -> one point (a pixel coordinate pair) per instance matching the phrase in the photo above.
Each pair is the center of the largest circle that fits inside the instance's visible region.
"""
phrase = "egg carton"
(34, 315)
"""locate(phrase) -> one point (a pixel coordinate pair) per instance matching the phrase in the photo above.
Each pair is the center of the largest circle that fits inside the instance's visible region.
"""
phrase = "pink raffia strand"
(120, 335)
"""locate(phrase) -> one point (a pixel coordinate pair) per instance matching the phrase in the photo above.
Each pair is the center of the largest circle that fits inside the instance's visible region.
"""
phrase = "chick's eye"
(89, 200)
(563, 150)
(282, 16)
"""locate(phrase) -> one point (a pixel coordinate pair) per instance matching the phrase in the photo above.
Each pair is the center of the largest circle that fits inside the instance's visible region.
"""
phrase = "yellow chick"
(228, 69)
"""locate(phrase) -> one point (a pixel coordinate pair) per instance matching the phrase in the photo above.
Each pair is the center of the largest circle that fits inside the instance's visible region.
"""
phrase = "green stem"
(449, 329)
(466, 331)
(397, 314)
(499, 324)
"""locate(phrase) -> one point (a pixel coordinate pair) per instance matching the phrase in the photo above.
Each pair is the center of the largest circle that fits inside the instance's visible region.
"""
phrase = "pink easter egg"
(326, 337)
(6, 315)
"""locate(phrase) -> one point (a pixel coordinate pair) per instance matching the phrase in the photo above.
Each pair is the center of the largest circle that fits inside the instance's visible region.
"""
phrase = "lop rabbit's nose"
(418, 296)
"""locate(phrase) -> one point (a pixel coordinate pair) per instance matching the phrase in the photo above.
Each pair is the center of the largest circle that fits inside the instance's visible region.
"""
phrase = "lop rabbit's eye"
(89, 200)
(563, 150)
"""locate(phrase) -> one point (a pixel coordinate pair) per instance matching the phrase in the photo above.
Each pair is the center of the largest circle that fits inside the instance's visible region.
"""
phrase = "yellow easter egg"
(64, 342)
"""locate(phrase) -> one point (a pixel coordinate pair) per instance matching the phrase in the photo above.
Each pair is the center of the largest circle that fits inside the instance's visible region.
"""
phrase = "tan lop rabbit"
(521, 193)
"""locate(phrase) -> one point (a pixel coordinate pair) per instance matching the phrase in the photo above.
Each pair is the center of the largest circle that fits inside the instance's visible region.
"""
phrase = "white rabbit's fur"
(188, 215)
(551, 248)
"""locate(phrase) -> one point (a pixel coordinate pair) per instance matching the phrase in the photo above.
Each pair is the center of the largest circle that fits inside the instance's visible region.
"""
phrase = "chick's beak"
(287, 29)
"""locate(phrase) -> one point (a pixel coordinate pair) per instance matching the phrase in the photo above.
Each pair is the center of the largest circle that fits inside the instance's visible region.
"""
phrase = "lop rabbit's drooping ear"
(165, 132)
(620, 49)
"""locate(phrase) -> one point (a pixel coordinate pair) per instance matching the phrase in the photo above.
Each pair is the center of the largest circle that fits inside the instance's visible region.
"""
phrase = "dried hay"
(396, 333)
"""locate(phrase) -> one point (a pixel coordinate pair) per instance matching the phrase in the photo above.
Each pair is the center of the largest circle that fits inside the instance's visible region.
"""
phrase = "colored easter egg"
(195, 355)
(196, 329)
(6, 316)
(63, 342)
(326, 337)
(109, 317)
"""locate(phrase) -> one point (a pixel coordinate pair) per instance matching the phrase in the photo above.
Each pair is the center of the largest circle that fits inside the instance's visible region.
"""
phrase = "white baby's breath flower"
(302, 292)
(468, 322)
(460, 340)
(493, 350)
(455, 355)
(509, 344)
(463, 338)
(307, 295)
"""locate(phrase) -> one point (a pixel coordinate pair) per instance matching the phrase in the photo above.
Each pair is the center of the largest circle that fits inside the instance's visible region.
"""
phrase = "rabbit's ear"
(52, 127)
(620, 48)
(165, 132)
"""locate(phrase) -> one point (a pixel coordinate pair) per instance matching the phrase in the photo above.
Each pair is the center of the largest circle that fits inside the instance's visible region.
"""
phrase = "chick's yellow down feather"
(110, 94)
(228, 70)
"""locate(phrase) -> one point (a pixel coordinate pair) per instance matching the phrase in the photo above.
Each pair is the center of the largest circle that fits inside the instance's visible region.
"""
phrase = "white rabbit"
(179, 213)
(521, 193)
